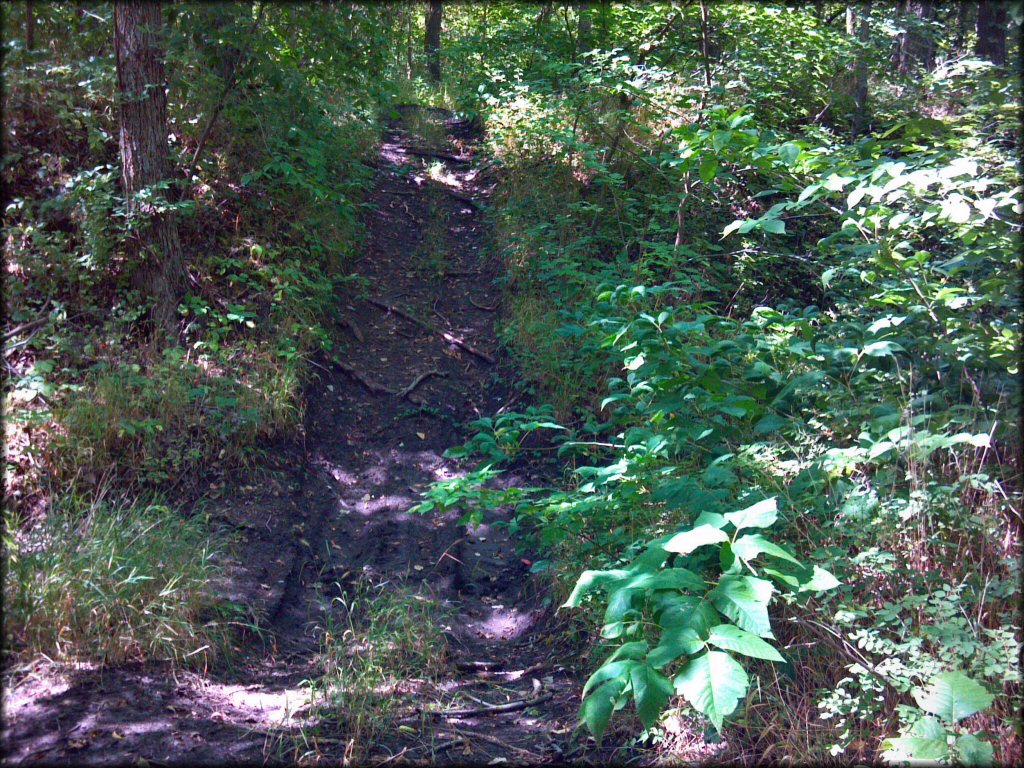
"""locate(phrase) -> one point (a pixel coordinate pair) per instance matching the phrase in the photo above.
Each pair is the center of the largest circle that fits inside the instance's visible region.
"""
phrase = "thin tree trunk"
(962, 22)
(408, 43)
(991, 28)
(705, 43)
(859, 86)
(432, 39)
(153, 243)
(30, 26)
(584, 27)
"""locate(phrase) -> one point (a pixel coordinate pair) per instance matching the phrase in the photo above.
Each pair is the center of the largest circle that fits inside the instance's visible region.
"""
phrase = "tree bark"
(859, 84)
(432, 39)
(584, 28)
(153, 243)
(30, 26)
(915, 47)
(991, 28)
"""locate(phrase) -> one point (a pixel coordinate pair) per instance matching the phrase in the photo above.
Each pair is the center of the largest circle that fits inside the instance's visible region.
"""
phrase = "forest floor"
(379, 418)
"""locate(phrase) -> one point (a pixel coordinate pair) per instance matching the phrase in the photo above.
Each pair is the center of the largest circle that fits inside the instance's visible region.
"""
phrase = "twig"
(481, 306)
(495, 709)
(446, 336)
(419, 380)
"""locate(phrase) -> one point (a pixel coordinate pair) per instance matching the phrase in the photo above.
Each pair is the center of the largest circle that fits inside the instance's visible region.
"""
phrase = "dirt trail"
(378, 422)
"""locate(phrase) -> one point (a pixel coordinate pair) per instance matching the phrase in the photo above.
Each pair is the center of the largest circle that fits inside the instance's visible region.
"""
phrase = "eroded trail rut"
(419, 357)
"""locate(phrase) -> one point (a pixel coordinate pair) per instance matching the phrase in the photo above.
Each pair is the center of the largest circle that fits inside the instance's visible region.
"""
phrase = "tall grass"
(378, 643)
(120, 582)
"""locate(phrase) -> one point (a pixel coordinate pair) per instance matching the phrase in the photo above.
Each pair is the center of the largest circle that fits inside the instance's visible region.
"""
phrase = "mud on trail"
(418, 357)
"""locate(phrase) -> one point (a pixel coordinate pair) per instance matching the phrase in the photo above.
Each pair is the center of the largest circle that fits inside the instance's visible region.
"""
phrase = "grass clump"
(125, 581)
(378, 644)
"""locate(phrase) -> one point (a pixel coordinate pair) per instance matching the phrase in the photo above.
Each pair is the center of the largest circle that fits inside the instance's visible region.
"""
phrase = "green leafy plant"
(701, 594)
(933, 735)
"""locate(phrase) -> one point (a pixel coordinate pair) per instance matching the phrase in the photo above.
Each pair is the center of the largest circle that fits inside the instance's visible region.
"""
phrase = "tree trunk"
(432, 39)
(859, 82)
(584, 28)
(991, 28)
(30, 26)
(153, 240)
(963, 11)
(408, 43)
(915, 47)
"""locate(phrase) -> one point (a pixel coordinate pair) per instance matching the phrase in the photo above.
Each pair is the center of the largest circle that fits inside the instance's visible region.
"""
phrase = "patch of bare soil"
(419, 359)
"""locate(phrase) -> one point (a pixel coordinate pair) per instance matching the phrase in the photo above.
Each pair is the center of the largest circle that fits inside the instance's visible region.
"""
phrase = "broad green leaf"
(928, 727)
(971, 751)
(774, 226)
(820, 581)
(670, 578)
(597, 708)
(952, 696)
(635, 651)
(675, 643)
(651, 692)
(591, 580)
(760, 515)
(686, 542)
(744, 599)
(748, 547)
(675, 612)
(713, 519)
(915, 750)
(713, 683)
(730, 638)
(708, 168)
(614, 670)
(620, 601)
(789, 152)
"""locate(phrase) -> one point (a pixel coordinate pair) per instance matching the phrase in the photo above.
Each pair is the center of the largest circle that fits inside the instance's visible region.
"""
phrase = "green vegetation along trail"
(419, 359)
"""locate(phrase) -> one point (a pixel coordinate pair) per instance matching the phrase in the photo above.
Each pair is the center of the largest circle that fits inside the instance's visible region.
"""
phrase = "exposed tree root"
(379, 389)
(446, 336)
(491, 709)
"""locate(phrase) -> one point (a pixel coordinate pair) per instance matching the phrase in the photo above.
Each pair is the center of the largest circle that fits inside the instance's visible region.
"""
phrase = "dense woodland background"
(761, 270)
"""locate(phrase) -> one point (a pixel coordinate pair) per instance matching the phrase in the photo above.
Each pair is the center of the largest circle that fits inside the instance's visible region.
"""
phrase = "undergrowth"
(119, 581)
(381, 644)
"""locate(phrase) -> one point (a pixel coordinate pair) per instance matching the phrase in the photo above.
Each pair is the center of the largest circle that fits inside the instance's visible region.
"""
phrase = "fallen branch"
(31, 324)
(438, 155)
(446, 336)
(471, 666)
(492, 709)
(481, 306)
(463, 198)
(419, 380)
